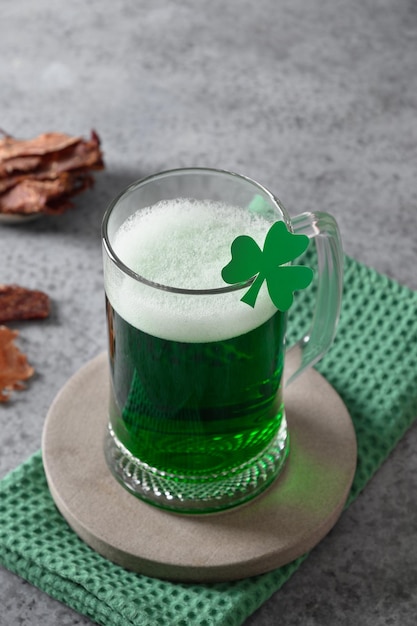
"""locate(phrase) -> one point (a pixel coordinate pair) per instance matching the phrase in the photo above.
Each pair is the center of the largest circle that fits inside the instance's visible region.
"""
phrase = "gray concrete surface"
(318, 101)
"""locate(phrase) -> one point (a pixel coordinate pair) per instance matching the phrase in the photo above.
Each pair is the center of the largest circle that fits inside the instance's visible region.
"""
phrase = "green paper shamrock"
(280, 247)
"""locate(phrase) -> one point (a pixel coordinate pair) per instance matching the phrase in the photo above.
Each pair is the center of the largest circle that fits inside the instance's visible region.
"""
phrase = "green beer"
(196, 409)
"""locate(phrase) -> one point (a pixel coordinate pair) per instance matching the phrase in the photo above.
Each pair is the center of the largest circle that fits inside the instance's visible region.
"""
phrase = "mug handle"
(323, 228)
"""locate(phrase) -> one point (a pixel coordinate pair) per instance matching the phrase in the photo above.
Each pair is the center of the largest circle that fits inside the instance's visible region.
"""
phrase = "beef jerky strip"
(80, 153)
(35, 196)
(40, 145)
(14, 367)
(81, 157)
(18, 164)
(19, 303)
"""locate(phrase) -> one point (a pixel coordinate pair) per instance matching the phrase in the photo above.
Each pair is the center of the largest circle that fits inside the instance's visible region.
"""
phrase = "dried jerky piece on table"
(14, 366)
(40, 175)
(19, 303)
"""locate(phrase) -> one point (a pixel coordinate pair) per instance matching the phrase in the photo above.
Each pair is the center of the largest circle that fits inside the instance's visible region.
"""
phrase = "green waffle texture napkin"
(372, 365)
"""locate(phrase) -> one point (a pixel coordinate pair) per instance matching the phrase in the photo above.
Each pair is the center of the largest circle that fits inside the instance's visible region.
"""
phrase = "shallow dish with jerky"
(41, 175)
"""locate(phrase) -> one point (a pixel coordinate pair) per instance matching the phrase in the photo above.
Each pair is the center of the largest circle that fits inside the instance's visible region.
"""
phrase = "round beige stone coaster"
(286, 521)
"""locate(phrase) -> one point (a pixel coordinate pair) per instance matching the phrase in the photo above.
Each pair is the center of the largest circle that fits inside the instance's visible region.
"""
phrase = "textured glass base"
(197, 494)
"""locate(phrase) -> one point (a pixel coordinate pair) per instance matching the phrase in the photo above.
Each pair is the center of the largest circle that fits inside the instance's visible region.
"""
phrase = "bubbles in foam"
(185, 244)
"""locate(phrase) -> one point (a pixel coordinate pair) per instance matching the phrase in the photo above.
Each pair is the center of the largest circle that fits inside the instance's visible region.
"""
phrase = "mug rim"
(175, 172)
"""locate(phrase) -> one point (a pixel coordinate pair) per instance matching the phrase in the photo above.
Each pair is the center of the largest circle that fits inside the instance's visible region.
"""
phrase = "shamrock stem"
(252, 293)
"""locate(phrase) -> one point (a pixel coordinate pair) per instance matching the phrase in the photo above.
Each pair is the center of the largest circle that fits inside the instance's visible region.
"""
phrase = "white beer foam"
(185, 244)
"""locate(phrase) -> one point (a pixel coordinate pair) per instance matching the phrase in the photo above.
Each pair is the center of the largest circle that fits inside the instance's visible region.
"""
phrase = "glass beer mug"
(196, 411)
